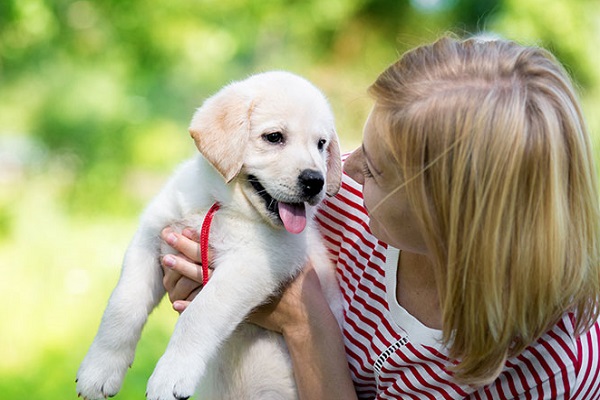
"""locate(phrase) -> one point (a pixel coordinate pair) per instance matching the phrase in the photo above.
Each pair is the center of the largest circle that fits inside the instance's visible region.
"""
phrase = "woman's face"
(391, 217)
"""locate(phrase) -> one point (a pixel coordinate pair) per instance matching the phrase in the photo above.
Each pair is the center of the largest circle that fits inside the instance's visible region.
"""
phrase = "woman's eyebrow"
(369, 160)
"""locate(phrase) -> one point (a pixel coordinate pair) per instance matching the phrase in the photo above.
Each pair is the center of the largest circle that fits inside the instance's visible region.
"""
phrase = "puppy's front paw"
(101, 374)
(174, 378)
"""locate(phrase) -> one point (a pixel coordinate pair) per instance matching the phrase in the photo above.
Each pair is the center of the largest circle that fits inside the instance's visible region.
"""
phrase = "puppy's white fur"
(212, 350)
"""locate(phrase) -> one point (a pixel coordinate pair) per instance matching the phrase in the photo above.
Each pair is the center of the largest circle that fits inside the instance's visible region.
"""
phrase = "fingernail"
(179, 307)
(169, 261)
(188, 233)
(171, 239)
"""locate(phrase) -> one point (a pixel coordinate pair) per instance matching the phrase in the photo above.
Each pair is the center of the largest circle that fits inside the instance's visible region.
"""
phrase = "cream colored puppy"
(269, 154)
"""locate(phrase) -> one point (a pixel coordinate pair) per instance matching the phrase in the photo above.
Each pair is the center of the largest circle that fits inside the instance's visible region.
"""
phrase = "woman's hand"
(183, 271)
(287, 312)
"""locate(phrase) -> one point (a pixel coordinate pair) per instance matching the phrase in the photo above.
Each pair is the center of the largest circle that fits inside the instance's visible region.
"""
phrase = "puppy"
(269, 155)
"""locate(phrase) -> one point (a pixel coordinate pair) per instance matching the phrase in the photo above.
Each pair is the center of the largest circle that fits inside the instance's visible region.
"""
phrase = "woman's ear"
(220, 129)
(334, 166)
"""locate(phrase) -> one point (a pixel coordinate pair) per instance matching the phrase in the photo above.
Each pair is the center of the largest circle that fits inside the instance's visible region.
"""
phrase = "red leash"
(204, 234)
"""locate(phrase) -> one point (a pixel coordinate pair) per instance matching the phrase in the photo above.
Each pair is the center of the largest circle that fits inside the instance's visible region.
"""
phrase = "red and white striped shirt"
(392, 355)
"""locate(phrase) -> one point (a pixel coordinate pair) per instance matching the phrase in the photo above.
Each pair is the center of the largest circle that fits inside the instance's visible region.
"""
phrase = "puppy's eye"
(274, 137)
(321, 144)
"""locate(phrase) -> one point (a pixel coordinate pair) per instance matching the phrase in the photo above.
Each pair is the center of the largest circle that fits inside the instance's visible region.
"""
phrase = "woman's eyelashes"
(366, 171)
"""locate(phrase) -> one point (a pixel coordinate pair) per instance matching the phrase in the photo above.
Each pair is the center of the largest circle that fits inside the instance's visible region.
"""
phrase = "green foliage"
(95, 99)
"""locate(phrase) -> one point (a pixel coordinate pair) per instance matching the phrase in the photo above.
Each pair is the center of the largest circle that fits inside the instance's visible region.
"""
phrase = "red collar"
(204, 234)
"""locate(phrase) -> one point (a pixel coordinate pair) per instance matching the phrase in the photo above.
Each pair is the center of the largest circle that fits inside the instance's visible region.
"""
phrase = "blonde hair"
(496, 162)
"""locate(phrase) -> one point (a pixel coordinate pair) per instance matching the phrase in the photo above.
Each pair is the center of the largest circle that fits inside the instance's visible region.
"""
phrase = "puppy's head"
(273, 134)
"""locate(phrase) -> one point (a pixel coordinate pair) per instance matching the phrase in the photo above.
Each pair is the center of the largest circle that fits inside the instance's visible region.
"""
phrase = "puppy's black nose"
(311, 182)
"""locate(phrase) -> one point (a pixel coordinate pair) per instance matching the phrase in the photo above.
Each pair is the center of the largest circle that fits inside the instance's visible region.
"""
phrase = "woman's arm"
(301, 314)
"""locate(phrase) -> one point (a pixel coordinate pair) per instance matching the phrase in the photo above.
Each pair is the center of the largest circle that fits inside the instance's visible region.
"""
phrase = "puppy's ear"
(334, 166)
(220, 129)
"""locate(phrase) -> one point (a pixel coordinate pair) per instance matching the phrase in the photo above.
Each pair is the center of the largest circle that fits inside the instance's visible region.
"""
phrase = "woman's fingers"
(182, 272)
(181, 278)
(182, 266)
(180, 305)
(185, 243)
(192, 234)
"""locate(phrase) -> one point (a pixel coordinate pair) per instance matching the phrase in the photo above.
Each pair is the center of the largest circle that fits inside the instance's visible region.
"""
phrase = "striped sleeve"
(588, 362)
(545, 370)
(557, 366)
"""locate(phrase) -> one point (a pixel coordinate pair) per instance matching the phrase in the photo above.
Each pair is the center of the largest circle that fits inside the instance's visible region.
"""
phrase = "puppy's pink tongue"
(293, 216)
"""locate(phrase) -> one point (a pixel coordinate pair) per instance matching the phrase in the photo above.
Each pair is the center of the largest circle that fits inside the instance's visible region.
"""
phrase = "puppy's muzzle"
(311, 182)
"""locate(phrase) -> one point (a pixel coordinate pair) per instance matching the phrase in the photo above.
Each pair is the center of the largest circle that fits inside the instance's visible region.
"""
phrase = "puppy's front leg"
(138, 291)
(231, 294)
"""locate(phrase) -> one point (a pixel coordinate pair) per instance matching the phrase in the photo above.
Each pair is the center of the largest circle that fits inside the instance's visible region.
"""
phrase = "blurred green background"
(95, 99)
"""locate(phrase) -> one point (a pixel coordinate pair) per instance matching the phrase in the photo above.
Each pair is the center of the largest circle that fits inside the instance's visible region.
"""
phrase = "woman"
(473, 270)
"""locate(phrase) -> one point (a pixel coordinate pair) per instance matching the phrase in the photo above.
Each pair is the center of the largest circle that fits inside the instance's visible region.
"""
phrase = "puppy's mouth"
(291, 215)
